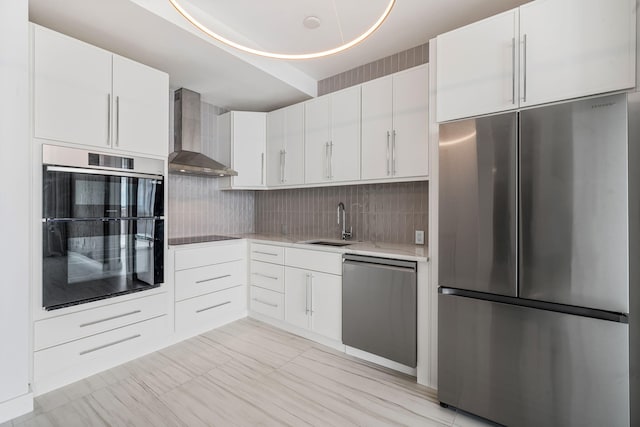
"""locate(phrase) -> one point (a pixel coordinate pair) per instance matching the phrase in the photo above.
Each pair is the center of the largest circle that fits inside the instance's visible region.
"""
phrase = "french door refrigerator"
(539, 261)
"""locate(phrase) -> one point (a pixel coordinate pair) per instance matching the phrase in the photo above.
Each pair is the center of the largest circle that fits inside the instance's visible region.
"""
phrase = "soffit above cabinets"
(152, 32)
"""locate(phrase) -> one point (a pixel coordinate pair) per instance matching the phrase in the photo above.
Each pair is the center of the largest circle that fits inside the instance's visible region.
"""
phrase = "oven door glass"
(91, 259)
(84, 195)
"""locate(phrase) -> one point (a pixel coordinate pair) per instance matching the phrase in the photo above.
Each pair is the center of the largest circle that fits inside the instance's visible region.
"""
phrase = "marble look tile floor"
(246, 373)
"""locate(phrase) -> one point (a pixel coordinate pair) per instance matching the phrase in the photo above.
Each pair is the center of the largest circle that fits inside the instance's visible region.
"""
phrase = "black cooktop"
(199, 239)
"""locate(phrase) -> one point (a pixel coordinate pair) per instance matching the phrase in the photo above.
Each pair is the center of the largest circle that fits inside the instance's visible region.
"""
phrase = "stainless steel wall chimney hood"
(187, 157)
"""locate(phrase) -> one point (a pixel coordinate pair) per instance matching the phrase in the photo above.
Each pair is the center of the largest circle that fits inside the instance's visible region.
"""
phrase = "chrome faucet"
(346, 235)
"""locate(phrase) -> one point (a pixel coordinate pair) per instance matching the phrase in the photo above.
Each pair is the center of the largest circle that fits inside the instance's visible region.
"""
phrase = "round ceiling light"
(286, 56)
(311, 22)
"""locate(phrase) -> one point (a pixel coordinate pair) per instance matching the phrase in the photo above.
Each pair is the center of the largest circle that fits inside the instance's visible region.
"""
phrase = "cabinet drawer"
(107, 346)
(267, 253)
(266, 302)
(203, 280)
(268, 276)
(203, 312)
(327, 262)
(199, 257)
(58, 330)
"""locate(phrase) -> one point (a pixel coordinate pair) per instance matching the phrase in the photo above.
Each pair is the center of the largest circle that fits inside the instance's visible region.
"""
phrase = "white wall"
(14, 209)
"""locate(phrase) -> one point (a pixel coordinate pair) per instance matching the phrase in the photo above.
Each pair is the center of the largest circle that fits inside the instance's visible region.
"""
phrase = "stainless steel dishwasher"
(379, 307)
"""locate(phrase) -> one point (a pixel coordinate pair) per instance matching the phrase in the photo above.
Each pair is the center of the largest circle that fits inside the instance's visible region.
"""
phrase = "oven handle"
(105, 219)
(103, 172)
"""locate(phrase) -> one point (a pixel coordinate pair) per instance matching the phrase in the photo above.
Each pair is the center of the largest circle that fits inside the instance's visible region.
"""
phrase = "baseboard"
(369, 357)
(16, 407)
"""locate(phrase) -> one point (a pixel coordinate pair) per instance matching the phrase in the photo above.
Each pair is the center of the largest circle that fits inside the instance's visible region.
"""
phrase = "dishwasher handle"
(374, 262)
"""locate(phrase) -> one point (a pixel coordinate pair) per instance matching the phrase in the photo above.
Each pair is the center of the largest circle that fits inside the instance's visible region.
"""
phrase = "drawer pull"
(212, 307)
(213, 278)
(109, 318)
(264, 275)
(82, 353)
(265, 303)
(265, 253)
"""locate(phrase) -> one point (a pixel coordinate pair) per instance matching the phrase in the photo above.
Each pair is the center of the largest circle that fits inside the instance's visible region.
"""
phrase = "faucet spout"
(345, 235)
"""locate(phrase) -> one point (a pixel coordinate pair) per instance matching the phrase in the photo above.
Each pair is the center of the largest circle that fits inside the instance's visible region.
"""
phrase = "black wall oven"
(102, 226)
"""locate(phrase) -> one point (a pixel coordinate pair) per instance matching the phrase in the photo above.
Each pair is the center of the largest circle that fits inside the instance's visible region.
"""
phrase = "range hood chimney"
(187, 157)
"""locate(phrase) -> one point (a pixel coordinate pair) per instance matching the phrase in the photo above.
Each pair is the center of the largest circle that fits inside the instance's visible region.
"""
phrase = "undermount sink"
(326, 243)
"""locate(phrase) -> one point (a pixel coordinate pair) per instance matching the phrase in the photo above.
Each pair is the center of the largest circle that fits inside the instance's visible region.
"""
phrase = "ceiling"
(152, 32)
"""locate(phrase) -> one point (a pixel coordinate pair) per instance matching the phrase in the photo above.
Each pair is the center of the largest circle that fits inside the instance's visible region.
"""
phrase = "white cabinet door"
(294, 145)
(410, 139)
(141, 108)
(72, 90)
(297, 297)
(317, 139)
(476, 67)
(376, 128)
(326, 305)
(573, 48)
(248, 145)
(344, 149)
(275, 147)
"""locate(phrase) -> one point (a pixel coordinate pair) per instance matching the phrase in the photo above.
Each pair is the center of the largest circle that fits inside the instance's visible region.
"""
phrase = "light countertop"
(410, 252)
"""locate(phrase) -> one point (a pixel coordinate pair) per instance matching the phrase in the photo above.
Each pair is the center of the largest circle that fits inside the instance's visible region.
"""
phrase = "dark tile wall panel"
(377, 212)
(391, 64)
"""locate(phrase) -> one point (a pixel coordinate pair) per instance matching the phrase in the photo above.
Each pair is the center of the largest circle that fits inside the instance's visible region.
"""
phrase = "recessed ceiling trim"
(286, 56)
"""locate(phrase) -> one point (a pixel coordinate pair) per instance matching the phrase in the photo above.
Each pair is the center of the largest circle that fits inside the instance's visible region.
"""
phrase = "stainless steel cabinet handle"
(326, 159)
(388, 149)
(393, 154)
(265, 276)
(262, 169)
(524, 65)
(95, 322)
(330, 159)
(513, 70)
(265, 303)
(82, 353)
(108, 119)
(117, 121)
(213, 278)
(265, 253)
(311, 293)
(306, 294)
(284, 166)
(212, 307)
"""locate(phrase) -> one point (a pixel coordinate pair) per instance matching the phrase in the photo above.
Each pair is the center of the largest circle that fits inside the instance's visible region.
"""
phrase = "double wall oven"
(102, 226)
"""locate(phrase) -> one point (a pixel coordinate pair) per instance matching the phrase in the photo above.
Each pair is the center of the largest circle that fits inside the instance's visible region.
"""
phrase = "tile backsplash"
(197, 206)
(377, 212)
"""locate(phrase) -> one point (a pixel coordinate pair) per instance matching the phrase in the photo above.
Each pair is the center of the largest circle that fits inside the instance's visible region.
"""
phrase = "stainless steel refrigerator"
(539, 256)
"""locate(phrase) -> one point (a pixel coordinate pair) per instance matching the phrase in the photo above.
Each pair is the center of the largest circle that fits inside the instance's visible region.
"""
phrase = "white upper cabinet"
(72, 87)
(394, 125)
(245, 133)
(285, 146)
(85, 95)
(141, 113)
(332, 137)
(573, 48)
(410, 137)
(377, 125)
(476, 68)
(544, 51)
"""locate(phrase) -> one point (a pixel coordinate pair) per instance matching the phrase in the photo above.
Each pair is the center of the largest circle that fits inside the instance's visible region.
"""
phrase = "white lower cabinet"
(313, 291)
(210, 286)
(267, 303)
(313, 301)
(209, 311)
(65, 363)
